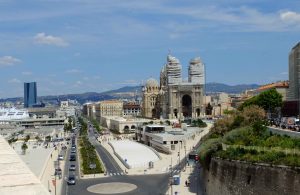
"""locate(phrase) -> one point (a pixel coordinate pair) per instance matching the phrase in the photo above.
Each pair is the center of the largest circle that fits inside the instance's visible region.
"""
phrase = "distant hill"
(126, 89)
(220, 87)
(130, 92)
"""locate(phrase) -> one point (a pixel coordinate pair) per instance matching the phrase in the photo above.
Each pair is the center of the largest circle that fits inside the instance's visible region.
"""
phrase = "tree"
(258, 127)
(228, 112)
(24, 147)
(48, 138)
(27, 138)
(252, 114)
(248, 102)
(168, 122)
(208, 109)
(269, 100)
(223, 125)
(70, 120)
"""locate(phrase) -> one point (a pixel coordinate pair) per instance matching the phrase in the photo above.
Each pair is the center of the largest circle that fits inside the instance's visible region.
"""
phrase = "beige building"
(281, 87)
(121, 124)
(131, 109)
(174, 97)
(109, 108)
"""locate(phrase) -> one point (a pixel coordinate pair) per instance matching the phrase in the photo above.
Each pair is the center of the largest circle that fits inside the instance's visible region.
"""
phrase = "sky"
(75, 46)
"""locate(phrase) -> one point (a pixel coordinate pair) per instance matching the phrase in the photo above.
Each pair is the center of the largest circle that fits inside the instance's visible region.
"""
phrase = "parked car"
(72, 157)
(73, 150)
(57, 171)
(71, 180)
(72, 167)
(60, 157)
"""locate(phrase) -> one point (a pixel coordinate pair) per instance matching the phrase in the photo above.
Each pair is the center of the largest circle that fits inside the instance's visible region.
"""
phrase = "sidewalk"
(48, 179)
(190, 175)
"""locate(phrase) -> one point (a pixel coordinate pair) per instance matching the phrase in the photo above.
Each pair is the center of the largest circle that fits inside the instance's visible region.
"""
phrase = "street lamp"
(171, 179)
(185, 156)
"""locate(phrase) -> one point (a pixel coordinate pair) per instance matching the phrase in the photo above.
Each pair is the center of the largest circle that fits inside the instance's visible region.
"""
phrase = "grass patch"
(89, 156)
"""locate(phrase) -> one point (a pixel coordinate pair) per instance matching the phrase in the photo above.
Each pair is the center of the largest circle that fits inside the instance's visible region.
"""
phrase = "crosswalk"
(116, 174)
(175, 171)
(122, 173)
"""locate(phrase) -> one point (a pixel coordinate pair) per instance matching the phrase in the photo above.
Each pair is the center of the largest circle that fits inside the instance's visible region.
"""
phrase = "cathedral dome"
(151, 83)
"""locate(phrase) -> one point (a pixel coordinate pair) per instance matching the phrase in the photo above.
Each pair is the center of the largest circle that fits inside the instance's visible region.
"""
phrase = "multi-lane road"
(146, 184)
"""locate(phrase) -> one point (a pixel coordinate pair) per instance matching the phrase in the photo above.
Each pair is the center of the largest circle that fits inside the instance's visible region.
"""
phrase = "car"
(72, 157)
(71, 180)
(73, 150)
(60, 157)
(72, 167)
(58, 171)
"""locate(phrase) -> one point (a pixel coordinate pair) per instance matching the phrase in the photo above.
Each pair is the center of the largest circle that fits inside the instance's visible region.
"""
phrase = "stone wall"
(240, 178)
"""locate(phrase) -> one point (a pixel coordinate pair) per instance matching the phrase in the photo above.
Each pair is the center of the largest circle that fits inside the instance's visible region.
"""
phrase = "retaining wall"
(226, 177)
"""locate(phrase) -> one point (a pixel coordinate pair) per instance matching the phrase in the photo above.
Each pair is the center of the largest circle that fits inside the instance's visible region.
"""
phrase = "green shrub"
(270, 157)
(207, 150)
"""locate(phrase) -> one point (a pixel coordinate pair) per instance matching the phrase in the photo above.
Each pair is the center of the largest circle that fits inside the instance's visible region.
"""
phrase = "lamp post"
(171, 183)
(185, 156)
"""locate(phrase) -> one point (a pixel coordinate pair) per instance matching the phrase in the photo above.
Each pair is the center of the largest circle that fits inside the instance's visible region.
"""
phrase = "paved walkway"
(48, 179)
(35, 158)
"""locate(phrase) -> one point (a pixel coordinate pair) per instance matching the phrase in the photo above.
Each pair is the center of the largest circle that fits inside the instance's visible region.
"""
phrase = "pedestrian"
(51, 155)
(186, 183)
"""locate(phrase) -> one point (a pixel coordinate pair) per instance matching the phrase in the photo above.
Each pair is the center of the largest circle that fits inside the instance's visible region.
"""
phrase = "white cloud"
(290, 17)
(14, 80)
(42, 38)
(284, 73)
(27, 73)
(8, 61)
(73, 71)
(77, 84)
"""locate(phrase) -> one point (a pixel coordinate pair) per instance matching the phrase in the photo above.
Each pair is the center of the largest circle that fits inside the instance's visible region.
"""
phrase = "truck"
(291, 123)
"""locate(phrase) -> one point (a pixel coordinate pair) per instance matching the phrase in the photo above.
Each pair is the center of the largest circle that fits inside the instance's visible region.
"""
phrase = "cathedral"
(173, 97)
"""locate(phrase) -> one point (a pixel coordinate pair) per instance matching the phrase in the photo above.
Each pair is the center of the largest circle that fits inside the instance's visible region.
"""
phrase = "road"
(65, 187)
(110, 164)
(146, 184)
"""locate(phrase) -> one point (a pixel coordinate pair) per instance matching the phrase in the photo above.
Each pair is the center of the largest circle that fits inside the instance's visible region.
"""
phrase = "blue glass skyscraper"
(30, 94)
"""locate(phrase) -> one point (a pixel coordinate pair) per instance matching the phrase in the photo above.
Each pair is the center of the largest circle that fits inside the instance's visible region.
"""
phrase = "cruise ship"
(7, 114)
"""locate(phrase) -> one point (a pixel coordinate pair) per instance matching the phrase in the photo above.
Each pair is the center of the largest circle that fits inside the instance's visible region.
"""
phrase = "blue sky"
(71, 46)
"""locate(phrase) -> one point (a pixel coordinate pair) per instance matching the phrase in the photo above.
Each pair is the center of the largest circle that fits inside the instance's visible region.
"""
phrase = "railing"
(286, 151)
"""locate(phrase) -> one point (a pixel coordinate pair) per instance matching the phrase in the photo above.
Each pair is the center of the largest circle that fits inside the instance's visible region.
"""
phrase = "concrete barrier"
(279, 131)
(119, 157)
